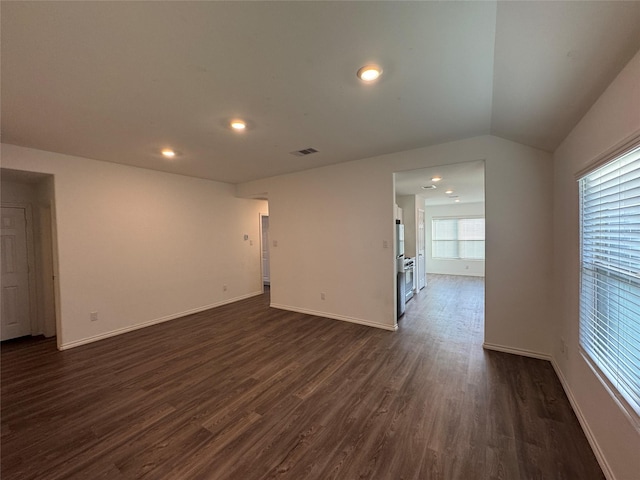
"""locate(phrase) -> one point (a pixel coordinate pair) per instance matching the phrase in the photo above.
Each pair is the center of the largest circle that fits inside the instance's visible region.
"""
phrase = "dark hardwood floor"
(248, 392)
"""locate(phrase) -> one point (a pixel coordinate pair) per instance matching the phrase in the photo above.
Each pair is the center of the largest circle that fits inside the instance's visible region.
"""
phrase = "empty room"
(213, 266)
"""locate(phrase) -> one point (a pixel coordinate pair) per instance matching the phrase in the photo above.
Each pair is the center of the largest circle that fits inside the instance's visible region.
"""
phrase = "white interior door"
(16, 319)
(266, 278)
(421, 266)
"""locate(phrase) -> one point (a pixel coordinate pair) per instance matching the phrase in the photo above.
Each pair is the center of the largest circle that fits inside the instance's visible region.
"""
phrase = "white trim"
(602, 461)
(334, 316)
(120, 331)
(516, 351)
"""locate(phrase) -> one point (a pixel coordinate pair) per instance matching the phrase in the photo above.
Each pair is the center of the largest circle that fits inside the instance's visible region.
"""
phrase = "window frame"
(605, 375)
(457, 239)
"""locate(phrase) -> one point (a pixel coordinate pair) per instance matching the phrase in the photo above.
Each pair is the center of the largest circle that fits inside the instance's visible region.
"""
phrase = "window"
(458, 238)
(610, 276)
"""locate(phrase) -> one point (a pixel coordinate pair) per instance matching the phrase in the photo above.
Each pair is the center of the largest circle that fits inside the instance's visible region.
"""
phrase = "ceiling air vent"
(304, 152)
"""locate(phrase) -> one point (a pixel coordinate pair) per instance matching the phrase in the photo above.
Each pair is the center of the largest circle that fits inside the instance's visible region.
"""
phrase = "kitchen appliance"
(409, 270)
(399, 240)
(400, 273)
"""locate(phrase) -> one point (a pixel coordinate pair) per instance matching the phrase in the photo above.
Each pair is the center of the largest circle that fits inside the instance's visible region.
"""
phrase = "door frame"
(34, 319)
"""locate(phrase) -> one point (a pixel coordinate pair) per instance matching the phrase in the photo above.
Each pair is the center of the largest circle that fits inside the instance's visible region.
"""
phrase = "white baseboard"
(333, 316)
(137, 326)
(604, 465)
(516, 351)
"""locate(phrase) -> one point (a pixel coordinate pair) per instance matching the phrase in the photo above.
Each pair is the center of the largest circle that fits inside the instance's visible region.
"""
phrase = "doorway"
(450, 197)
(28, 301)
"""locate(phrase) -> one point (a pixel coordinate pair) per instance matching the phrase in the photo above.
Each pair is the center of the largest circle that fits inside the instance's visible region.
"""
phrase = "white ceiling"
(466, 179)
(119, 81)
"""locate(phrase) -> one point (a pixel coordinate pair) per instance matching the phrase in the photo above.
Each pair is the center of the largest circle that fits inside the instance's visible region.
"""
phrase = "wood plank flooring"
(248, 392)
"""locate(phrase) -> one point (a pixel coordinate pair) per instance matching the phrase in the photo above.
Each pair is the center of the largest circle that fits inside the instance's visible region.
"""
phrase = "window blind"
(458, 238)
(610, 276)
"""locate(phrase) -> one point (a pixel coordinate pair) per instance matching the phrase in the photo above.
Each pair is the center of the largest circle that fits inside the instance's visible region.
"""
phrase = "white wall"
(331, 225)
(473, 268)
(322, 226)
(614, 118)
(140, 246)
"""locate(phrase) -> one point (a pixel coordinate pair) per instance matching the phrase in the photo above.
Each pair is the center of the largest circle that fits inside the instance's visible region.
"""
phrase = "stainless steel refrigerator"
(400, 280)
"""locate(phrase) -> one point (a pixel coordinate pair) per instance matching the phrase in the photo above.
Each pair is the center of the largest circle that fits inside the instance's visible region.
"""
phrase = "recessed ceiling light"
(457, 200)
(436, 179)
(369, 73)
(449, 192)
(238, 125)
(167, 152)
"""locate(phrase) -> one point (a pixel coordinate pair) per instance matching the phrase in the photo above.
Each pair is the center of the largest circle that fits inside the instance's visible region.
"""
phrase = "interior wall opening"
(441, 213)
(28, 255)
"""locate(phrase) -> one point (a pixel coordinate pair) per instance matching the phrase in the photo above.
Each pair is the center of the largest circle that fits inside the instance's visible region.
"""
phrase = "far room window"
(610, 276)
(458, 238)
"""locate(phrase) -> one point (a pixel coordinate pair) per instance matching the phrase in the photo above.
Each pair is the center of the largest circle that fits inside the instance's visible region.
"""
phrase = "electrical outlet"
(224, 287)
(385, 244)
(322, 296)
(275, 243)
(93, 316)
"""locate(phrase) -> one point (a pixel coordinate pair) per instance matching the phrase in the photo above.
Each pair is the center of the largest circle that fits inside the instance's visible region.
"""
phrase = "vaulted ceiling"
(119, 81)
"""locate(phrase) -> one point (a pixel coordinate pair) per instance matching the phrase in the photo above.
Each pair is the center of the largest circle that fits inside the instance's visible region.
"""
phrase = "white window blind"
(610, 276)
(458, 238)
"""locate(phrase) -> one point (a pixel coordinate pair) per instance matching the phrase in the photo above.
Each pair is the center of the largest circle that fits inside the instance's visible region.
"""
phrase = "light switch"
(385, 244)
